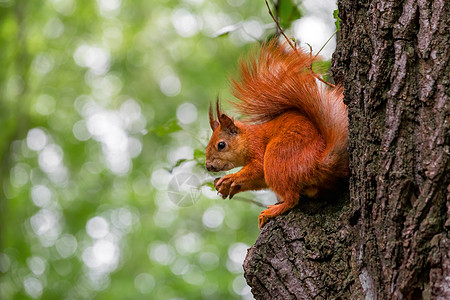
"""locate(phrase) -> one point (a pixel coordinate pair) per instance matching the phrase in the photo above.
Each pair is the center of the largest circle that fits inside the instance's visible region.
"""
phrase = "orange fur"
(295, 138)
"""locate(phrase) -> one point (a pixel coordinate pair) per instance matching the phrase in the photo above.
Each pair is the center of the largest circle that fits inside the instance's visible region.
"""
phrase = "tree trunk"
(389, 239)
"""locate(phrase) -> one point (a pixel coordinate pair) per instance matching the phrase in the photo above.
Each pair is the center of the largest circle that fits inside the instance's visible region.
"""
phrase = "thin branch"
(295, 48)
(236, 197)
(318, 76)
(239, 198)
(310, 49)
(279, 27)
(320, 79)
(326, 43)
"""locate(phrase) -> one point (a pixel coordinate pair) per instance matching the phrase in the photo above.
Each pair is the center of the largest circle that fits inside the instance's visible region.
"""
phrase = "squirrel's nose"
(209, 166)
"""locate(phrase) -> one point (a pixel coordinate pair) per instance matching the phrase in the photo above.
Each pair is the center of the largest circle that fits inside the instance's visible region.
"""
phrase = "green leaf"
(336, 17)
(179, 162)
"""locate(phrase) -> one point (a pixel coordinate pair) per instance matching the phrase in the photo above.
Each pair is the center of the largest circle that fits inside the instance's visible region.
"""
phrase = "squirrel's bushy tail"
(281, 80)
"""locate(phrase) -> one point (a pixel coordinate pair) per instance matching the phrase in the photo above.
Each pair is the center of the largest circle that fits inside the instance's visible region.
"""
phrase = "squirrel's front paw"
(227, 186)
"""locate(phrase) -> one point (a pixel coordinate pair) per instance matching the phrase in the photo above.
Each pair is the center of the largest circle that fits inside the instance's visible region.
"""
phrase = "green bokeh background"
(102, 103)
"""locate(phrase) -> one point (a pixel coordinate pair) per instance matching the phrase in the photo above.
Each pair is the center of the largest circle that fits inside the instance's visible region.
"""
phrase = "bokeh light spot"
(41, 195)
(236, 256)
(33, 286)
(213, 217)
(97, 227)
(161, 253)
(187, 113)
(5, 262)
(186, 24)
(66, 245)
(36, 264)
(144, 283)
(36, 139)
(170, 85)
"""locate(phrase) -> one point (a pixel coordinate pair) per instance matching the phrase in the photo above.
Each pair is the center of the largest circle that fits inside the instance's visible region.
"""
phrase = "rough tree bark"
(389, 239)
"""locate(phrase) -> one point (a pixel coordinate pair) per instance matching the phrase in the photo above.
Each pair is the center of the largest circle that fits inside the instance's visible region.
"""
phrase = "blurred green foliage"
(103, 107)
(288, 12)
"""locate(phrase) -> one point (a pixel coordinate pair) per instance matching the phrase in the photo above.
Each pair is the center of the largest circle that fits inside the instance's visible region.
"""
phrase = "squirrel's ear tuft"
(218, 108)
(212, 122)
(228, 124)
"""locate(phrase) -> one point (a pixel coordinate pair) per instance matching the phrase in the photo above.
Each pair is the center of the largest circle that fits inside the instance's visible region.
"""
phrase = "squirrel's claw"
(219, 187)
(221, 196)
(262, 219)
(226, 186)
(234, 189)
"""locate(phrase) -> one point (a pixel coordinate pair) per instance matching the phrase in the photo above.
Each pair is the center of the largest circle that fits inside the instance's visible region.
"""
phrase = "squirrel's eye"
(221, 145)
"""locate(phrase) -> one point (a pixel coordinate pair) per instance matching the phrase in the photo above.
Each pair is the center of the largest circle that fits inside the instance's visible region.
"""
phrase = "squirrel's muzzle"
(210, 167)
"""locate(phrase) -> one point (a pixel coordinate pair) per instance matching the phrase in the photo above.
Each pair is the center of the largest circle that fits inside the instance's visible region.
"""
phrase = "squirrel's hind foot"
(271, 212)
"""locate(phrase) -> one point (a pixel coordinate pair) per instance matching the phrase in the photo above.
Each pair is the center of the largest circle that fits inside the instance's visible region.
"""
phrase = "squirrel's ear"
(228, 124)
(225, 121)
(213, 123)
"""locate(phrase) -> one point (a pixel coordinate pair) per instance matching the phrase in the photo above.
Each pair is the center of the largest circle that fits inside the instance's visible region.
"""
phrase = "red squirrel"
(294, 139)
